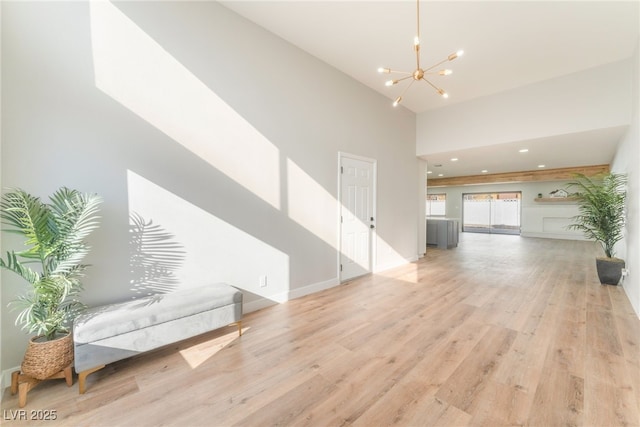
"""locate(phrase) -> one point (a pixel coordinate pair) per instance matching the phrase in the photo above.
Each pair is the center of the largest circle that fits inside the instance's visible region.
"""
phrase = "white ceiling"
(507, 44)
(596, 147)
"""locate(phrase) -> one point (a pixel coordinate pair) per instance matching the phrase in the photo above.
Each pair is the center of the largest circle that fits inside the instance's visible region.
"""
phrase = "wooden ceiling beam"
(560, 174)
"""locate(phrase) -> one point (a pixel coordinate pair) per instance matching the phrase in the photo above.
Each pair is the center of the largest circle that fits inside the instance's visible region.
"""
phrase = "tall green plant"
(54, 236)
(601, 202)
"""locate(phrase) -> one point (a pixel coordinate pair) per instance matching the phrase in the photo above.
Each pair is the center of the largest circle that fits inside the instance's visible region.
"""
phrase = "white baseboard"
(551, 235)
(256, 305)
(306, 290)
(289, 295)
(5, 380)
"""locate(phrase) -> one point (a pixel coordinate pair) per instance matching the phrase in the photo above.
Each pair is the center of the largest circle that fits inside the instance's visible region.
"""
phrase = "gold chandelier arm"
(437, 89)
(398, 99)
(395, 82)
(405, 78)
(416, 43)
(431, 84)
(389, 71)
(445, 72)
(448, 58)
(402, 72)
(418, 18)
(435, 65)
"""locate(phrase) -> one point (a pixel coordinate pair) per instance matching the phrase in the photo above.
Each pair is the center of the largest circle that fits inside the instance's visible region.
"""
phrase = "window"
(491, 212)
(436, 204)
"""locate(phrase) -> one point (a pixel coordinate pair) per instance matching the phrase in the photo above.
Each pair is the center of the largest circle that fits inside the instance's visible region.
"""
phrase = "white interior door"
(357, 216)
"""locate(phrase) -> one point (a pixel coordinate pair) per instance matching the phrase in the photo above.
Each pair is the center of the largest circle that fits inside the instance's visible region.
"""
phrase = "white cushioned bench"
(113, 332)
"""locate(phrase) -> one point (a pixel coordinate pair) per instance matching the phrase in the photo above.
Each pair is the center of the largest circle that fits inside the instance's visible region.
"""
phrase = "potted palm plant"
(601, 203)
(54, 238)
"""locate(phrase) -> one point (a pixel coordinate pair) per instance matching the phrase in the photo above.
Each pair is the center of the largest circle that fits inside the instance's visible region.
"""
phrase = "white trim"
(356, 157)
(339, 219)
(310, 289)
(5, 380)
(259, 304)
(551, 235)
(374, 234)
(289, 295)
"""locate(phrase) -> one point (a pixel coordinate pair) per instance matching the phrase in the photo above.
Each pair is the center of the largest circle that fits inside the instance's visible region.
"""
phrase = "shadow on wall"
(136, 71)
(217, 251)
(154, 256)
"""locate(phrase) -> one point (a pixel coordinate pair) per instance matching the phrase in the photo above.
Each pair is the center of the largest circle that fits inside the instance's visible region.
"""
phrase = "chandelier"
(419, 73)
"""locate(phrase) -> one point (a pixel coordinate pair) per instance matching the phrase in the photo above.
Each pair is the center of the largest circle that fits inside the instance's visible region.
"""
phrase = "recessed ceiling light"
(428, 172)
(454, 159)
(541, 166)
(440, 174)
(524, 150)
(484, 171)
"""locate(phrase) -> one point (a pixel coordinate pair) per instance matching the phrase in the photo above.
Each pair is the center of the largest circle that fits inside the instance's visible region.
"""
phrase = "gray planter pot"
(609, 270)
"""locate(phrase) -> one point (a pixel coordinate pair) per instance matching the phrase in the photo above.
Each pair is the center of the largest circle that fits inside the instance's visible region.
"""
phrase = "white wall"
(422, 194)
(219, 136)
(627, 161)
(574, 103)
(537, 219)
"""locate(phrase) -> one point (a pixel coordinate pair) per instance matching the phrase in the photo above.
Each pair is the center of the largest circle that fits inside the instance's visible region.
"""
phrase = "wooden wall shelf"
(561, 174)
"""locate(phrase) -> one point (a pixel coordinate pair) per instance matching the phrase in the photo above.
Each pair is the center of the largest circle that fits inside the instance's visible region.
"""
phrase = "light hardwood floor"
(502, 330)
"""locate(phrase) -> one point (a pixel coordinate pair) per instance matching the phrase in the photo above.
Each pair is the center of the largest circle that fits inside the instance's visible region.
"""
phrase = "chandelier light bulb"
(416, 41)
(455, 55)
(390, 82)
(397, 101)
(445, 72)
(384, 70)
(443, 93)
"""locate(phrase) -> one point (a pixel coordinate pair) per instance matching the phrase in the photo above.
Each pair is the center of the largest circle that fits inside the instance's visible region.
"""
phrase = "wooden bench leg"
(239, 323)
(82, 377)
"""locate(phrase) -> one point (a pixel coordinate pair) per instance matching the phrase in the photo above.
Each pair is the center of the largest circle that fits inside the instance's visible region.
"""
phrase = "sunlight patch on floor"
(200, 353)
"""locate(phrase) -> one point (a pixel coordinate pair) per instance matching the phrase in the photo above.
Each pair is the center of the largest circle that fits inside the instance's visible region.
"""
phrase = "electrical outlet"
(263, 281)
(625, 272)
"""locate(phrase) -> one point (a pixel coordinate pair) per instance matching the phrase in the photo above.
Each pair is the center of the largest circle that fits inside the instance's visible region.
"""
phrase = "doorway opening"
(497, 213)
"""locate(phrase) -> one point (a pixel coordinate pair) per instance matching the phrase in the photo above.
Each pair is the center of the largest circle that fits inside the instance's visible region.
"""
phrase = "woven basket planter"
(46, 358)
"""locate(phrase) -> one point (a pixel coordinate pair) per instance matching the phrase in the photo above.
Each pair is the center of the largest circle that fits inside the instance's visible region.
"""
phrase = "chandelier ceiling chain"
(419, 73)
